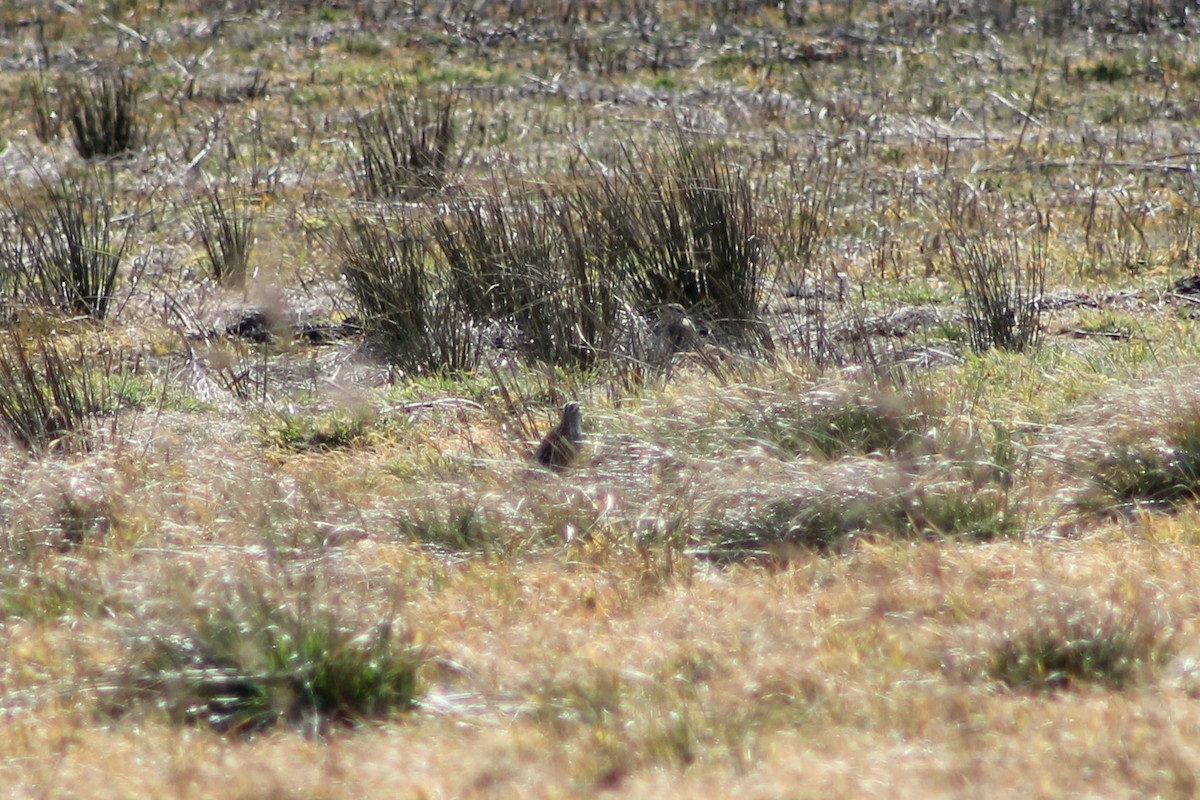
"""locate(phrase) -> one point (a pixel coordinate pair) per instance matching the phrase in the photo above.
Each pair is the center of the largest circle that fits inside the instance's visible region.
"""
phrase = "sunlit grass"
(825, 550)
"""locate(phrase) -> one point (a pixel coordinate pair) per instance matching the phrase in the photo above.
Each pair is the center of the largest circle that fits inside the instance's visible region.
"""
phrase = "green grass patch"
(250, 662)
(303, 433)
(1075, 643)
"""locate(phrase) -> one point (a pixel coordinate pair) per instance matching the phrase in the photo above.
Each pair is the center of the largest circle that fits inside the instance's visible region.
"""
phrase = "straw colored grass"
(910, 508)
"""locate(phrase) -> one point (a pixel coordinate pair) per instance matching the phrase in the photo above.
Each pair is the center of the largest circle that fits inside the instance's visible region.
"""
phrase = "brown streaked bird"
(560, 446)
(675, 330)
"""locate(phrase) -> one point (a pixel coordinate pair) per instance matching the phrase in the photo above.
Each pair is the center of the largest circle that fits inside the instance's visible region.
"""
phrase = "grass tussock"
(525, 263)
(1162, 468)
(45, 590)
(404, 304)
(1069, 641)
(247, 661)
(1002, 282)
(568, 276)
(304, 433)
(828, 509)
(226, 228)
(1138, 448)
(406, 146)
(65, 250)
(104, 116)
(836, 421)
(846, 462)
(797, 219)
(682, 227)
(455, 527)
(48, 399)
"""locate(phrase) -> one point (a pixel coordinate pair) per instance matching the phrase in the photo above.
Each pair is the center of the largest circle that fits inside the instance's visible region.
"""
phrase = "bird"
(560, 446)
(675, 331)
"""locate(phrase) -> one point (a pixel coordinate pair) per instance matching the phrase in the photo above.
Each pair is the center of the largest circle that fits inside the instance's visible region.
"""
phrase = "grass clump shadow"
(250, 662)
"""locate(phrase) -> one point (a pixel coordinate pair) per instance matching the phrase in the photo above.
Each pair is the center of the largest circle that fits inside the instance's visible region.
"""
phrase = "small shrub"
(256, 87)
(406, 146)
(226, 229)
(250, 663)
(103, 112)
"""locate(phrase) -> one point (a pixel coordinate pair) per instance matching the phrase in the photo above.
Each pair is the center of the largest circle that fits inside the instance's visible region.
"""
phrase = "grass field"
(878, 315)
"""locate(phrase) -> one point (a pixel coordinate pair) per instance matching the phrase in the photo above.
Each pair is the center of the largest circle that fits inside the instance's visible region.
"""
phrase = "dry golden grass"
(581, 670)
(861, 562)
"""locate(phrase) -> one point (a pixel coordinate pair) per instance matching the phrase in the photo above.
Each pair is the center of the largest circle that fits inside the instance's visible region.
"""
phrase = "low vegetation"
(245, 662)
(882, 321)
(65, 249)
(103, 113)
(50, 398)
(226, 229)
